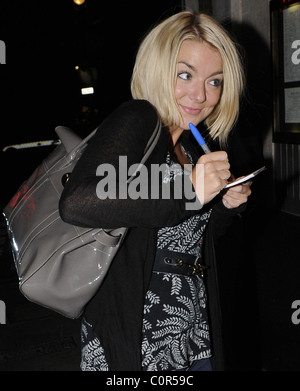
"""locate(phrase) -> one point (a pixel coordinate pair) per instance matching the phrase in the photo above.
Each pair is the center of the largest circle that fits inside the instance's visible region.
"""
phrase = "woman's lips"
(191, 110)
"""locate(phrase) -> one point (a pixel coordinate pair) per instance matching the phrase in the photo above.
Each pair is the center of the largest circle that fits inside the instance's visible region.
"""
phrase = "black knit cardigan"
(116, 311)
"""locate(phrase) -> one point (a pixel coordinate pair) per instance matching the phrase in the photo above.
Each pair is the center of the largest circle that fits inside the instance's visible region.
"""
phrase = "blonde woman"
(152, 312)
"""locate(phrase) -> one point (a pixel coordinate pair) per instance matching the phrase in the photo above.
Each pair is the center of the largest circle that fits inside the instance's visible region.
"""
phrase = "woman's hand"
(210, 175)
(236, 195)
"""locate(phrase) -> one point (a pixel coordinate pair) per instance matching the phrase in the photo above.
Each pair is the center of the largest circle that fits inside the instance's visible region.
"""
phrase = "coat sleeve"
(222, 218)
(97, 194)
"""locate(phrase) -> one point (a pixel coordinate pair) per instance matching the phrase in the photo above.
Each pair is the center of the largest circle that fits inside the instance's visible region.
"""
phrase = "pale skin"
(197, 91)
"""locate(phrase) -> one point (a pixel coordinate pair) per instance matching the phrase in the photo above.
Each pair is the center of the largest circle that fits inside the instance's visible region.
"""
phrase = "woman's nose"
(198, 93)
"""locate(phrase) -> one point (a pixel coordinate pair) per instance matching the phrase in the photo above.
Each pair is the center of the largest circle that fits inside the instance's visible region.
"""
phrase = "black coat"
(116, 311)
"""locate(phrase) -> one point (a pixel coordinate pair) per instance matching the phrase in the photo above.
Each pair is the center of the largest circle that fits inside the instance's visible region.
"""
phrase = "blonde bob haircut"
(155, 70)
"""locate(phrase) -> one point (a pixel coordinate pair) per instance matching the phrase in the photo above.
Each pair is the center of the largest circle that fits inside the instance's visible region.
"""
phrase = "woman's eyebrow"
(216, 73)
(195, 70)
(188, 65)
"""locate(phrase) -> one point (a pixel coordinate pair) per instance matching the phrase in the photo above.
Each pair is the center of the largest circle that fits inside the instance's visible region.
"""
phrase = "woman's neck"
(175, 135)
(178, 151)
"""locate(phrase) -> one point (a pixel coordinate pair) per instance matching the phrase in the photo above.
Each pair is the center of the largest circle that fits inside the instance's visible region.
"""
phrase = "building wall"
(264, 302)
(250, 23)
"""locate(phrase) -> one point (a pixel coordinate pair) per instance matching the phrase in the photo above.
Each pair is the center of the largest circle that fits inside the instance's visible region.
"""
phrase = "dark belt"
(167, 261)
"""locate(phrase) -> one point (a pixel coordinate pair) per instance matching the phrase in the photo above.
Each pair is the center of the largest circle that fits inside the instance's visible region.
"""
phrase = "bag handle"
(149, 147)
(68, 138)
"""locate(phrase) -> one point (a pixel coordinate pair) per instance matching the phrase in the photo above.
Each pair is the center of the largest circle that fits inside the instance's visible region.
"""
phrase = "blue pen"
(199, 138)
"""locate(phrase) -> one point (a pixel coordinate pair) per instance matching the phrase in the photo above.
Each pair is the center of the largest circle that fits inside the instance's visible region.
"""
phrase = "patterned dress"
(175, 326)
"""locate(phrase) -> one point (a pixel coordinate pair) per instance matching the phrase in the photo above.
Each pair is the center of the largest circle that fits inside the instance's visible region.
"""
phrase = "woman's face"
(199, 81)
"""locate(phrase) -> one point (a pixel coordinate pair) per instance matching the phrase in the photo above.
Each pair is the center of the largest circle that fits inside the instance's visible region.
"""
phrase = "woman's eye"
(216, 82)
(184, 75)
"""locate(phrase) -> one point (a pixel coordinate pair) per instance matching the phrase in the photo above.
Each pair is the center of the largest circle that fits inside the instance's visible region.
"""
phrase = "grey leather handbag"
(60, 266)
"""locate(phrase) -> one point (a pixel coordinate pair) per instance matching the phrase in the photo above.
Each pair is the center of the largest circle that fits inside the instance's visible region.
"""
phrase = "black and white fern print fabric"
(175, 325)
(92, 353)
(175, 329)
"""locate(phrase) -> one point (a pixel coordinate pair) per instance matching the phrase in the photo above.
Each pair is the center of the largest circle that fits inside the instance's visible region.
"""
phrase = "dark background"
(40, 89)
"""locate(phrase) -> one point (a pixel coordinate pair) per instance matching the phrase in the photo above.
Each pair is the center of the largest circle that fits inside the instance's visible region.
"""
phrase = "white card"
(246, 178)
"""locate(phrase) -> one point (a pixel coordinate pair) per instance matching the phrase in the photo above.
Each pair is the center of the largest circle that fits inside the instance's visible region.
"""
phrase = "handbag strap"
(153, 139)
